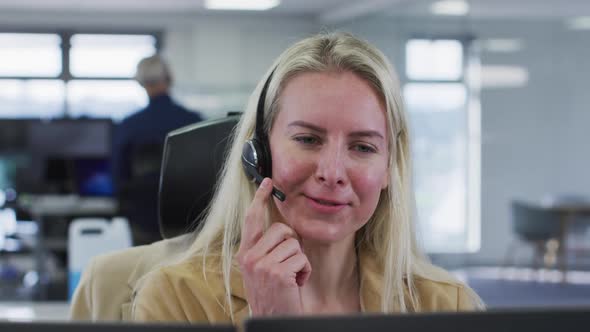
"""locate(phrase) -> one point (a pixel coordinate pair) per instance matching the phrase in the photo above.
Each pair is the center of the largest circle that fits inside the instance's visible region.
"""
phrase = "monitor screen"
(13, 135)
(93, 176)
(70, 138)
(10, 166)
(61, 156)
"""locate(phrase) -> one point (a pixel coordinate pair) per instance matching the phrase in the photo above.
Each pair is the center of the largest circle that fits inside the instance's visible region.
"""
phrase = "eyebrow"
(361, 133)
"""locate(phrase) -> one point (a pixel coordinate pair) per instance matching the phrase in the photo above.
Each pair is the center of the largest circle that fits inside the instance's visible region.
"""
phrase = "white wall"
(534, 138)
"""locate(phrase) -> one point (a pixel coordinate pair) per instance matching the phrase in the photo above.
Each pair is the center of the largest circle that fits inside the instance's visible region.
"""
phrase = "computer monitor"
(110, 327)
(70, 156)
(70, 137)
(570, 320)
(13, 135)
(93, 177)
(14, 156)
(11, 165)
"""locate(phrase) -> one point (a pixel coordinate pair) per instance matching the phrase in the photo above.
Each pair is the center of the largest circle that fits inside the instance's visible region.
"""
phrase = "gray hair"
(153, 70)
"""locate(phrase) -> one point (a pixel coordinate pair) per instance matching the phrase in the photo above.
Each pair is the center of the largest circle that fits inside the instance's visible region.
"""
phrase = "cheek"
(288, 171)
(368, 186)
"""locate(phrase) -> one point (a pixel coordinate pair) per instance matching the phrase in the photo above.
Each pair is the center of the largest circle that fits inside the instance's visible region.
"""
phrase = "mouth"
(327, 202)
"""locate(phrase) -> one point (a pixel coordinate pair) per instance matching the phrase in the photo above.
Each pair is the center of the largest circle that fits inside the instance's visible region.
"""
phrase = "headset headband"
(259, 132)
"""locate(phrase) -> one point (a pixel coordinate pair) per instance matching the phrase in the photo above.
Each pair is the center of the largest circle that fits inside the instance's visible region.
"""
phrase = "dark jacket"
(137, 151)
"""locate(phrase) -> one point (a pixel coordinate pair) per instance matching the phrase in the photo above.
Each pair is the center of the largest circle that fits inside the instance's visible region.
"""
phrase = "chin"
(323, 232)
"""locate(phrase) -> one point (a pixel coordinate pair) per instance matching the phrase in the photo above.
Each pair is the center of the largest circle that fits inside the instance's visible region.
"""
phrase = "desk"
(34, 311)
(68, 206)
(567, 212)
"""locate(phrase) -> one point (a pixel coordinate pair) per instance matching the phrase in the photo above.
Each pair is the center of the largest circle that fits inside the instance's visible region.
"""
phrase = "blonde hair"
(389, 234)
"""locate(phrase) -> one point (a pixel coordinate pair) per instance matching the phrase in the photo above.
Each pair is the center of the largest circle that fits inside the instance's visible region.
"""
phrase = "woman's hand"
(272, 263)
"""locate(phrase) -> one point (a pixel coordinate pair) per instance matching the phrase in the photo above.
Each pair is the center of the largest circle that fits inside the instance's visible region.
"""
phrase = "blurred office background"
(496, 90)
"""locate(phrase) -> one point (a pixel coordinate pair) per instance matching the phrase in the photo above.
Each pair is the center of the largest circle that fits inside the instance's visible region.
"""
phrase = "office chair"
(578, 228)
(537, 227)
(138, 195)
(193, 157)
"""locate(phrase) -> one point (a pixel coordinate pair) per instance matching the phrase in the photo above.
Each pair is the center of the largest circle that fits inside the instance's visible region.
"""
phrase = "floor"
(502, 288)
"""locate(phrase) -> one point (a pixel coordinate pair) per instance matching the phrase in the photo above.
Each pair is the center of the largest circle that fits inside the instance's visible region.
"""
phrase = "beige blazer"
(180, 293)
(106, 285)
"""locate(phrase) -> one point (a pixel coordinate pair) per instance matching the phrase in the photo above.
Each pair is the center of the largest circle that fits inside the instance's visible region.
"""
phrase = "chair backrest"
(193, 157)
(533, 223)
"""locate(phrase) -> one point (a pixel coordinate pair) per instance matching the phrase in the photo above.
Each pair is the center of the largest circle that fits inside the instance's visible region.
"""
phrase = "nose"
(331, 167)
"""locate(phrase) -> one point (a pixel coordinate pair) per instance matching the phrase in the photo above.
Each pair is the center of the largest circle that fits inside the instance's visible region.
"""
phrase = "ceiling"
(324, 10)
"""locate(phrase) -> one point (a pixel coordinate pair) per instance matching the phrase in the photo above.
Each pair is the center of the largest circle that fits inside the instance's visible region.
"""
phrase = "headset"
(256, 158)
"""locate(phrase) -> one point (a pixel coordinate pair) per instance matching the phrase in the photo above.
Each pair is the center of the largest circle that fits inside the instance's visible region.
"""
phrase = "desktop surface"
(571, 320)
(109, 327)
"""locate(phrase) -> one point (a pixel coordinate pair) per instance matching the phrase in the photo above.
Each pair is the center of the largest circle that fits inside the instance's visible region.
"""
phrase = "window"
(105, 98)
(95, 57)
(437, 99)
(33, 98)
(108, 55)
(29, 55)
(29, 70)
(94, 80)
(434, 59)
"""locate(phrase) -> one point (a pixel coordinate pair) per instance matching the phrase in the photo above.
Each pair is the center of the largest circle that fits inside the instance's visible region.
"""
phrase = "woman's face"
(329, 154)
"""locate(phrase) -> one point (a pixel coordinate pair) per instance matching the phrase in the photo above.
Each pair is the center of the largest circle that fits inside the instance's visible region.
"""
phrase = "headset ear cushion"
(263, 154)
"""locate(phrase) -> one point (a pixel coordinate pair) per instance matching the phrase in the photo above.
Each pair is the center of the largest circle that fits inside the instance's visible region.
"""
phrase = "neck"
(156, 90)
(335, 277)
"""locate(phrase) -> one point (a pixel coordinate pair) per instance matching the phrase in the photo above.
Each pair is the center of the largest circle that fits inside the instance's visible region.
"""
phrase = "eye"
(364, 148)
(307, 140)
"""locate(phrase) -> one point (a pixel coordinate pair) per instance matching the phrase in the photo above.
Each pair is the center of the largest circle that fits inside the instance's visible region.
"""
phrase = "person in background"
(341, 240)
(137, 148)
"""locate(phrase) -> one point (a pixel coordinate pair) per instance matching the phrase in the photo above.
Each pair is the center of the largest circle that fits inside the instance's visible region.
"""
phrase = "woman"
(342, 241)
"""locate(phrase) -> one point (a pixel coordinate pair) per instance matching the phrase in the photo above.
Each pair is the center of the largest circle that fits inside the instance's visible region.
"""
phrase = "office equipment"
(193, 157)
(47, 207)
(571, 320)
(54, 170)
(13, 134)
(110, 327)
(13, 147)
(75, 155)
(57, 156)
(89, 237)
(93, 177)
(11, 165)
(70, 137)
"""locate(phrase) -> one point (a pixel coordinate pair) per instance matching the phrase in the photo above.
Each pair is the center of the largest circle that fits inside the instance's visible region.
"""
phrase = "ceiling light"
(502, 76)
(579, 23)
(241, 4)
(450, 7)
(505, 45)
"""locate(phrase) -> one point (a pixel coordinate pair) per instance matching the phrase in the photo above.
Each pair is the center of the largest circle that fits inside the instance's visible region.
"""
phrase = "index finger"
(253, 225)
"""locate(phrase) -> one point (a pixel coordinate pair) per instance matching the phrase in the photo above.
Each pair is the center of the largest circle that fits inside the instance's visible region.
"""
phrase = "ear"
(385, 180)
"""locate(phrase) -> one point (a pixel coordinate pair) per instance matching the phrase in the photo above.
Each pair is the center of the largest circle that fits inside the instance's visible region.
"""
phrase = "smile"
(324, 206)
(326, 202)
